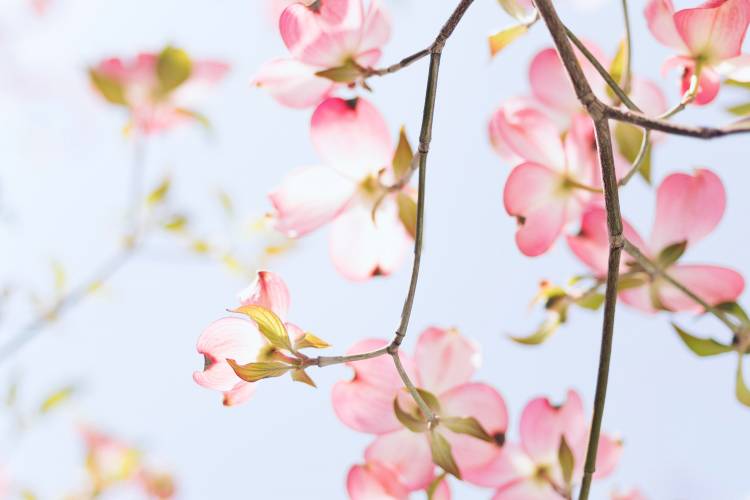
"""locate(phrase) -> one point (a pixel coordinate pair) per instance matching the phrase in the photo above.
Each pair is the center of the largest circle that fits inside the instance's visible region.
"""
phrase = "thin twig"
(403, 63)
(425, 409)
(628, 70)
(324, 361)
(636, 118)
(103, 273)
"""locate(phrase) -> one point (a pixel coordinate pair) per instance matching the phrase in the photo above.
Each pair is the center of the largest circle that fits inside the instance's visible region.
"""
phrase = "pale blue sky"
(64, 179)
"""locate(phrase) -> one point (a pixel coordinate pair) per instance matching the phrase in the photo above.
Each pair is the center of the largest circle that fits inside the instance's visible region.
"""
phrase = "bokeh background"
(130, 348)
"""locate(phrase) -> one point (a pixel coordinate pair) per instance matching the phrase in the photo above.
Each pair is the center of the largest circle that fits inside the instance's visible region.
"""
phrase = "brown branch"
(596, 110)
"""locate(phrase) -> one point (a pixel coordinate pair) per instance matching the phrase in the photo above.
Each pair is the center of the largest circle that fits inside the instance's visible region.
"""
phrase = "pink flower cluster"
(399, 459)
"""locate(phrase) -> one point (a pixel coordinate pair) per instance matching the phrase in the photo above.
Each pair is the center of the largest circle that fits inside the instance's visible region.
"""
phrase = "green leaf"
(628, 138)
(740, 109)
(631, 281)
(56, 399)
(109, 88)
(302, 376)
(159, 193)
(505, 37)
(430, 400)
(403, 156)
(252, 372)
(348, 72)
(591, 301)
(671, 254)
(617, 68)
(700, 346)
(173, 68)
(735, 310)
(741, 390)
(432, 488)
(567, 461)
(442, 455)
(311, 341)
(269, 324)
(407, 212)
(176, 223)
(408, 420)
(545, 331)
(735, 83)
(467, 425)
(198, 117)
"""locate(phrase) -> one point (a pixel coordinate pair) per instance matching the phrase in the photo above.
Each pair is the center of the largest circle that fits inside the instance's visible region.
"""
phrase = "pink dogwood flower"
(544, 191)
(323, 35)
(239, 339)
(375, 481)
(531, 470)
(705, 36)
(443, 364)
(159, 90)
(368, 237)
(688, 208)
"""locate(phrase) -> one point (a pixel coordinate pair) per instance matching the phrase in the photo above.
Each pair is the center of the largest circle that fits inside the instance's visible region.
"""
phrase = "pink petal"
(639, 298)
(715, 30)
(527, 489)
(660, 18)
(530, 134)
(445, 359)
(365, 403)
(510, 465)
(633, 494)
(407, 454)
(377, 28)
(352, 137)
(711, 283)
(486, 405)
(374, 482)
(736, 68)
(269, 291)
(688, 207)
(607, 456)
(309, 197)
(293, 83)
(324, 37)
(591, 244)
(648, 96)
(581, 159)
(227, 338)
(241, 393)
(543, 426)
(208, 72)
(362, 248)
(550, 82)
(509, 107)
(532, 194)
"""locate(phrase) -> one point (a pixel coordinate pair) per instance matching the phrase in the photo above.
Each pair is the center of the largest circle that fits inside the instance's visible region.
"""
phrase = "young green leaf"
(505, 37)
(434, 485)
(671, 254)
(302, 376)
(700, 346)
(467, 425)
(159, 193)
(430, 400)
(269, 324)
(56, 399)
(545, 331)
(311, 341)
(628, 138)
(173, 68)
(403, 156)
(591, 301)
(740, 109)
(567, 461)
(348, 72)
(112, 91)
(741, 390)
(408, 420)
(252, 372)
(442, 455)
(735, 310)
(617, 67)
(407, 212)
